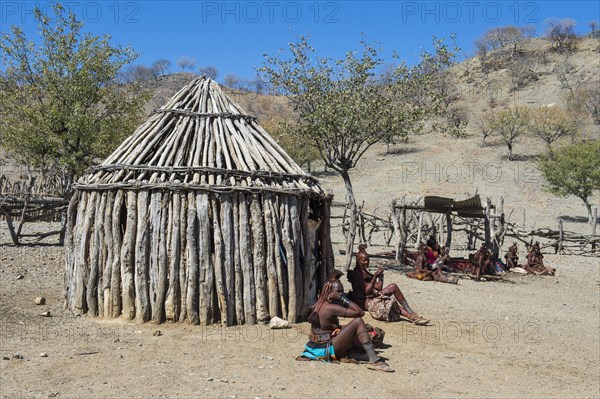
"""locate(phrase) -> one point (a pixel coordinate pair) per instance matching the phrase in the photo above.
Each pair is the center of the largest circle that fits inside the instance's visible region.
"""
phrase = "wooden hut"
(198, 216)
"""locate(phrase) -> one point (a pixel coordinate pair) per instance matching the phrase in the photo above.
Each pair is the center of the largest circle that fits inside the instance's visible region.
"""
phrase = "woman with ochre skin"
(367, 285)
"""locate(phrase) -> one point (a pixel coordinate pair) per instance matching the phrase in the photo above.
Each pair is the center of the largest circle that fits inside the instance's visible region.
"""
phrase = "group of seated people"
(329, 340)
(535, 260)
(484, 263)
(430, 262)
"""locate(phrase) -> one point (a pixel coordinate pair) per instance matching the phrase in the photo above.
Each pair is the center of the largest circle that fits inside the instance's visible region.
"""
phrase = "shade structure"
(198, 216)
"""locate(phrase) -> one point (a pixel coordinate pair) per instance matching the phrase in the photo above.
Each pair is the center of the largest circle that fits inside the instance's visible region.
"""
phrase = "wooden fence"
(34, 199)
(408, 229)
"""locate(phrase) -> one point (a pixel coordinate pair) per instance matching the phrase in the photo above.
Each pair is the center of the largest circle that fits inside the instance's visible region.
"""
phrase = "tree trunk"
(352, 226)
(510, 153)
(589, 210)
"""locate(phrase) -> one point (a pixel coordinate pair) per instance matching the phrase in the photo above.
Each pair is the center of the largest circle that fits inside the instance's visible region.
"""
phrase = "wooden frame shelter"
(469, 208)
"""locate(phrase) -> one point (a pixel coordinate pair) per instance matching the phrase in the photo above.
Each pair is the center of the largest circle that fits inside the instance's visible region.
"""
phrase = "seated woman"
(427, 272)
(330, 340)
(535, 262)
(482, 263)
(367, 286)
(512, 259)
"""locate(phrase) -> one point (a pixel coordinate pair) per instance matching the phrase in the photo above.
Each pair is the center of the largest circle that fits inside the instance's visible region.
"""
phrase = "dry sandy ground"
(524, 336)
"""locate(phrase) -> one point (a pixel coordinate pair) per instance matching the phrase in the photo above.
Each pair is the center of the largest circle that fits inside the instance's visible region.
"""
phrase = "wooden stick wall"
(199, 257)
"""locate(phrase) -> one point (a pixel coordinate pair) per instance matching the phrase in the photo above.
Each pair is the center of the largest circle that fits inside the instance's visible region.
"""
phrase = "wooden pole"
(280, 267)
(272, 252)
(108, 261)
(70, 248)
(83, 266)
(142, 300)
(155, 235)
(287, 240)
(306, 255)
(441, 229)
(397, 233)
(204, 259)
(259, 259)
(237, 265)
(327, 258)
(594, 223)
(192, 295)
(403, 236)
(246, 261)
(183, 216)
(117, 237)
(486, 222)
(448, 232)
(95, 261)
(420, 230)
(173, 302)
(218, 262)
(159, 312)
(228, 257)
(560, 236)
(296, 270)
(128, 257)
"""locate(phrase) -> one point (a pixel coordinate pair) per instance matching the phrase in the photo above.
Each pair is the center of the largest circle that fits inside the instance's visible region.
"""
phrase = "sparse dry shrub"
(485, 127)
(561, 33)
(585, 98)
(523, 70)
(551, 123)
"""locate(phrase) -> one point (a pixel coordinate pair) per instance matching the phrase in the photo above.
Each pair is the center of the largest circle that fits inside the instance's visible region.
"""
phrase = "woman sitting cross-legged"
(430, 272)
(329, 340)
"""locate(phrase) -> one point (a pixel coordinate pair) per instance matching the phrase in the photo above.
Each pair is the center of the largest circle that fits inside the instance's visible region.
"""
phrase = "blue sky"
(234, 35)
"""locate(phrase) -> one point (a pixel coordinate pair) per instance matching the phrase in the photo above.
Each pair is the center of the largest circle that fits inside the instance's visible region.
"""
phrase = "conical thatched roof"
(201, 139)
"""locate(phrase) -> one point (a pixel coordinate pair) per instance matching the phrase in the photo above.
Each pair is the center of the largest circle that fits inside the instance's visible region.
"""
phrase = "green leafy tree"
(574, 169)
(61, 105)
(344, 106)
(510, 123)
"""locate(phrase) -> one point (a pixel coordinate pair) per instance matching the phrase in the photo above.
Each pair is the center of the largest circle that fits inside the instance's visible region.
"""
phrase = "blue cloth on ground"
(324, 351)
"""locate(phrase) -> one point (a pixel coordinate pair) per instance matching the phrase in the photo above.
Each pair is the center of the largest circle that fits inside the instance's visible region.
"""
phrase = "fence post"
(448, 232)
(560, 236)
(486, 222)
(594, 223)
(419, 231)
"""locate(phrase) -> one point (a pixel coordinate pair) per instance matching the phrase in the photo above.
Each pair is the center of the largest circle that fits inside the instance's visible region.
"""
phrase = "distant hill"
(533, 76)
(260, 105)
